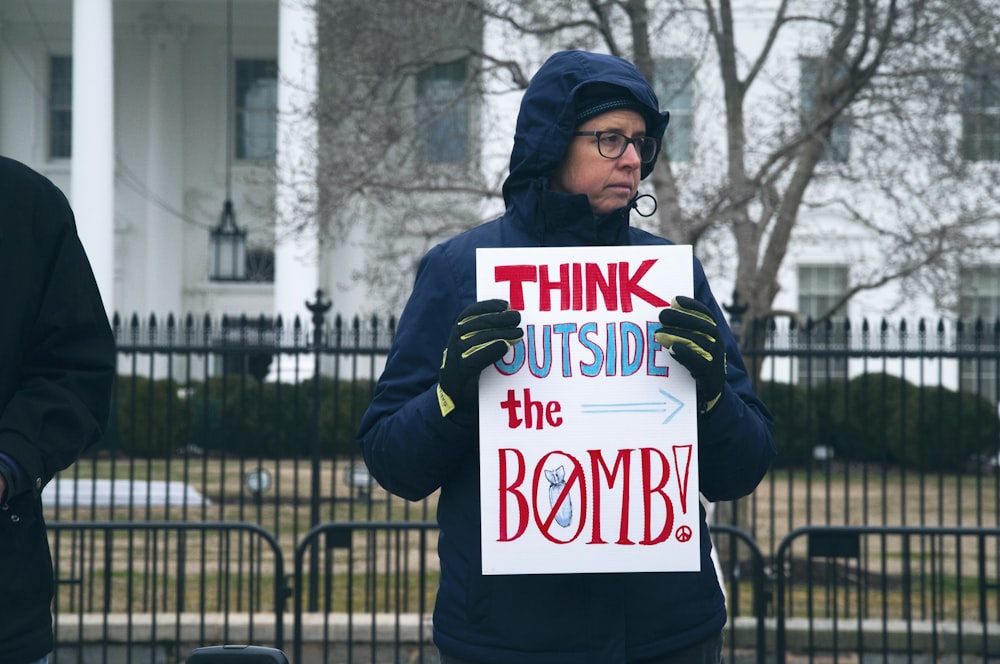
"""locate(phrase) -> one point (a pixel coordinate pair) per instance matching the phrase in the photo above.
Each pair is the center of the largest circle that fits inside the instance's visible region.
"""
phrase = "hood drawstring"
(635, 205)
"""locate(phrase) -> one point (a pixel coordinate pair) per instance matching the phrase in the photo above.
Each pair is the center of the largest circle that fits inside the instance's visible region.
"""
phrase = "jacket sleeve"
(59, 403)
(735, 443)
(409, 447)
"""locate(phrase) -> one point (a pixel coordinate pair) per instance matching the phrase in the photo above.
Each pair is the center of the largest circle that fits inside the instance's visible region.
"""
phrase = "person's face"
(608, 183)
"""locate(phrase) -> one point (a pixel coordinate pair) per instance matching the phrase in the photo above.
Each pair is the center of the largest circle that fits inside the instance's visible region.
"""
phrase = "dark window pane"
(256, 109)
(60, 107)
(981, 109)
(675, 90)
(838, 149)
(443, 113)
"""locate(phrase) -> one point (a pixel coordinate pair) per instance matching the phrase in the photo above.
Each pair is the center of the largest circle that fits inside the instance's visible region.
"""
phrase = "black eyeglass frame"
(638, 141)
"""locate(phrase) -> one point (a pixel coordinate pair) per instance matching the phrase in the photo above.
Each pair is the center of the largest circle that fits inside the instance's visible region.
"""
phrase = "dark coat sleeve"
(735, 442)
(56, 382)
(409, 447)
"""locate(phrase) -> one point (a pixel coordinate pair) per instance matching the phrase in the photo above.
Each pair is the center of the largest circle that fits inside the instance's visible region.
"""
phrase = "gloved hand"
(690, 334)
(481, 336)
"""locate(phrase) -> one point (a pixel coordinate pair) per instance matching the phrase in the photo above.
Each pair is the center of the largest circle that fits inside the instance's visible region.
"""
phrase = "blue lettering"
(592, 369)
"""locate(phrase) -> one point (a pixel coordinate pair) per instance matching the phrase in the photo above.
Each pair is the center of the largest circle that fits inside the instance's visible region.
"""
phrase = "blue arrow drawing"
(637, 407)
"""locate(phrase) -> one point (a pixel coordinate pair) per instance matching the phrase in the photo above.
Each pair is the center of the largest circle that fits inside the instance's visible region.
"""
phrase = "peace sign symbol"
(684, 533)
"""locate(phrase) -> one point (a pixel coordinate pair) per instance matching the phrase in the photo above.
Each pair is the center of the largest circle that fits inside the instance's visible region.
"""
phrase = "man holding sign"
(570, 385)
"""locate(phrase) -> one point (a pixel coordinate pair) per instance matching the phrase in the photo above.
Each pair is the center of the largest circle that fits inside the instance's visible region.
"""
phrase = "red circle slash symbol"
(684, 533)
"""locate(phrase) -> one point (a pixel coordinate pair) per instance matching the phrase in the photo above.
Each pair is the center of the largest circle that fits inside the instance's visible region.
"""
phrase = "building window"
(260, 264)
(810, 78)
(60, 107)
(256, 109)
(674, 85)
(981, 108)
(443, 113)
(821, 287)
(979, 300)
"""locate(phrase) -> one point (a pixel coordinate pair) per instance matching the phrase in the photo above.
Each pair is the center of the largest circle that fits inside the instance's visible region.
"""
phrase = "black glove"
(481, 336)
(691, 335)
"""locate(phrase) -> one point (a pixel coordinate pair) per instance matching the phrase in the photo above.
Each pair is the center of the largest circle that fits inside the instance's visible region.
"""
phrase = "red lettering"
(575, 477)
(536, 413)
(552, 410)
(682, 462)
(511, 405)
(598, 468)
(532, 410)
(559, 509)
(511, 488)
(608, 288)
(647, 492)
(547, 285)
(579, 285)
(517, 275)
(630, 286)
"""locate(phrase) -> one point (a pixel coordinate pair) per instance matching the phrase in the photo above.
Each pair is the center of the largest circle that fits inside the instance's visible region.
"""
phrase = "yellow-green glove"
(691, 335)
(481, 336)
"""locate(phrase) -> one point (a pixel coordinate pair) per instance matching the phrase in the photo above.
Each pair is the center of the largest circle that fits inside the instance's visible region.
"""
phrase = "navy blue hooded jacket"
(57, 368)
(412, 450)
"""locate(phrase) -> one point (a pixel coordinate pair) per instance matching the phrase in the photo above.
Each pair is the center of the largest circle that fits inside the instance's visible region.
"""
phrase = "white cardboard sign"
(588, 427)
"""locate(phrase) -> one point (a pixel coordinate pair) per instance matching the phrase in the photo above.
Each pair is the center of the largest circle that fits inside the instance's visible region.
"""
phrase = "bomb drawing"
(557, 482)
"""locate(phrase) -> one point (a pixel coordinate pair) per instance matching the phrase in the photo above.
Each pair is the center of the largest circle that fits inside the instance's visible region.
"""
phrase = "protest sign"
(588, 427)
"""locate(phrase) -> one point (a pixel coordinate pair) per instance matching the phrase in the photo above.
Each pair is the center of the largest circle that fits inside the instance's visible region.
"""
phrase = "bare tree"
(894, 76)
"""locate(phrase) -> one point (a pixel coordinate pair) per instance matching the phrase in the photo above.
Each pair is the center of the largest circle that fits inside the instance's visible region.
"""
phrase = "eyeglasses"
(612, 144)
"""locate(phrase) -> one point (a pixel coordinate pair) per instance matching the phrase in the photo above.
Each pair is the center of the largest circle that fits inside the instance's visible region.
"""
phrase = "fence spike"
(171, 328)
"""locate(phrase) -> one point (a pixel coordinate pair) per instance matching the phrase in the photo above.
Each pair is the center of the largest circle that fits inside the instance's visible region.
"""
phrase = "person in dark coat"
(57, 365)
(589, 128)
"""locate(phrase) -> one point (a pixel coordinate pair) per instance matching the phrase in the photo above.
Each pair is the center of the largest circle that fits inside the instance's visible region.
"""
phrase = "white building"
(124, 105)
(146, 112)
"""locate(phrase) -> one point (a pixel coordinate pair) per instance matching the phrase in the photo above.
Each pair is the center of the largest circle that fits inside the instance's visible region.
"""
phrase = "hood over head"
(568, 89)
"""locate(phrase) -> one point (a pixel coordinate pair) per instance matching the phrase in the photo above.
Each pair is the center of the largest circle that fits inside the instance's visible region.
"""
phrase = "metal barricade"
(135, 587)
(885, 591)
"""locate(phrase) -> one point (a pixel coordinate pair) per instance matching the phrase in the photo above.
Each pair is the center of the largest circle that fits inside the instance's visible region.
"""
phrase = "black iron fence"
(830, 592)
(138, 591)
(252, 420)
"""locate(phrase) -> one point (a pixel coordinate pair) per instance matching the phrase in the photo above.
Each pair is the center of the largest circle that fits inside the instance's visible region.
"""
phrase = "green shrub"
(881, 418)
(236, 415)
(146, 418)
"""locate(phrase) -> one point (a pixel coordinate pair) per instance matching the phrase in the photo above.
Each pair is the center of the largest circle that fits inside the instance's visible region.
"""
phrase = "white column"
(92, 181)
(296, 272)
(164, 231)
